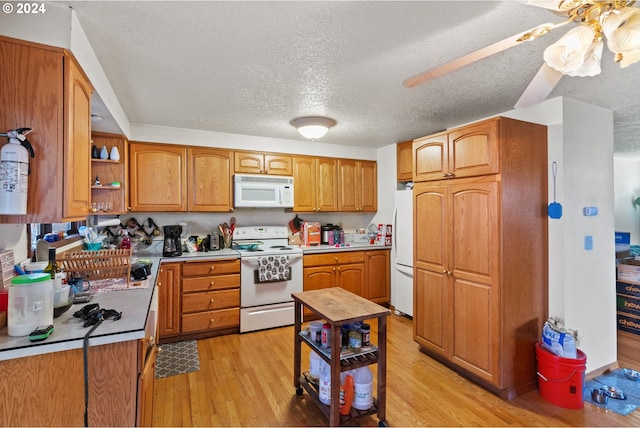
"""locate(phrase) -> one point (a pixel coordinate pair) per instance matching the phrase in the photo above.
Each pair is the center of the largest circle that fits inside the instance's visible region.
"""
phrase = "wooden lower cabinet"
(365, 273)
(168, 282)
(201, 298)
(377, 266)
(48, 389)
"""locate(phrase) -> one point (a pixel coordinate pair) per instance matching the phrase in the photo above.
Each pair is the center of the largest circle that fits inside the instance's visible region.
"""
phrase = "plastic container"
(561, 380)
(314, 364)
(366, 334)
(363, 388)
(324, 387)
(315, 330)
(30, 303)
(346, 394)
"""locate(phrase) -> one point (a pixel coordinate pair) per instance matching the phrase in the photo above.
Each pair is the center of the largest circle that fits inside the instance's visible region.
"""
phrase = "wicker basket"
(100, 264)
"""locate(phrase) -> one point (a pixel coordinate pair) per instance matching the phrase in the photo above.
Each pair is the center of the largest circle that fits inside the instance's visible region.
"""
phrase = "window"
(37, 231)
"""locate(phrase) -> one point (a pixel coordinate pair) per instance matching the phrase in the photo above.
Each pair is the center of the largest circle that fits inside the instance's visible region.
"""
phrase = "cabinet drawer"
(197, 302)
(210, 267)
(210, 320)
(210, 282)
(333, 258)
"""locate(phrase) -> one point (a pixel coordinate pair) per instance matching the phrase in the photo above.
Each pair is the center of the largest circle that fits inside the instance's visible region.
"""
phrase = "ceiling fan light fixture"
(575, 49)
(313, 127)
(622, 30)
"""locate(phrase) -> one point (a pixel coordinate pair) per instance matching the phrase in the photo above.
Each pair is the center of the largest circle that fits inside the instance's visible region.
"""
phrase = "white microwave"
(262, 191)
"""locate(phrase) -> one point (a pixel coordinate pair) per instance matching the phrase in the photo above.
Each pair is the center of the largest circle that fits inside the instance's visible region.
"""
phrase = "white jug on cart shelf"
(363, 386)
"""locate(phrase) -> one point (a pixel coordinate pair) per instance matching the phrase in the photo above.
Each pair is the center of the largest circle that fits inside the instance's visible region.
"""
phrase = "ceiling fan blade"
(540, 86)
(472, 57)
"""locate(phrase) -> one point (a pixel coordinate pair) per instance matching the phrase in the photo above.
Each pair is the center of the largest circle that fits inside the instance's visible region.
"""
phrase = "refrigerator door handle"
(395, 229)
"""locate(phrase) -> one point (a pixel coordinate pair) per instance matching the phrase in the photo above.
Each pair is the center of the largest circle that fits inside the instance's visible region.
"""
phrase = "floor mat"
(177, 358)
(617, 379)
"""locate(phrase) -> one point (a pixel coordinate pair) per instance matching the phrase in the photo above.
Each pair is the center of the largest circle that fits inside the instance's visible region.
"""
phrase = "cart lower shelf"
(313, 392)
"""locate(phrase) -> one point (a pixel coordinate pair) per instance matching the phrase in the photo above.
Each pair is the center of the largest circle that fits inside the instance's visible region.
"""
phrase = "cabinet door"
(146, 391)
(35, 99)
(209, 179)
(404, 161)
(278, 164)
(348, 189)
(474, 150)
(474, 266)
(158, 177)
(304, 183)
(368, 186)
(378, 276)
(168, 300)
(327, 184)
(351, 278)
(432, 290)
(248, 162)
(77, 154)
(430, 157)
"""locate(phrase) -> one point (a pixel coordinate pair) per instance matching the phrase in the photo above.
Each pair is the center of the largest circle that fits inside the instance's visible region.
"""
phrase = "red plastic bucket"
(561, 380)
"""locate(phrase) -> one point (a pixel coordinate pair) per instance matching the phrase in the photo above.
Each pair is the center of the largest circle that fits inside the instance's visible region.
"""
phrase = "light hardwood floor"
(247, 380)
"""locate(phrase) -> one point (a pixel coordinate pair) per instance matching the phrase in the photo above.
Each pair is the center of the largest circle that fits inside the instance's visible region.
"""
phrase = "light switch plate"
(588, 242)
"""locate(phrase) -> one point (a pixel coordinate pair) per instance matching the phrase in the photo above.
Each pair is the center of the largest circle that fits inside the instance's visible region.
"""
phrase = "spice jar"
(366, 334)
(326, 335)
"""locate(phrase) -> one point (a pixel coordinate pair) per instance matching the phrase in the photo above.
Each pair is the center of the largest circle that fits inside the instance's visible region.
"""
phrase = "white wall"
(626, 190)
(581, 282)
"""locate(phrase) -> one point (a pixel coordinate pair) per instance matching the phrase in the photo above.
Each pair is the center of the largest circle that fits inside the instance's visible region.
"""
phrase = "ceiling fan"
(577, 53)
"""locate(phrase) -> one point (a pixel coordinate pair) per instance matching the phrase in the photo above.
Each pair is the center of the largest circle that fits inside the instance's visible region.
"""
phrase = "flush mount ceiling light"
(313, 127)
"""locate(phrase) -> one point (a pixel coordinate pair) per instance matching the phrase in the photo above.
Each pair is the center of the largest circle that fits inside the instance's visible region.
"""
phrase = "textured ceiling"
(250, 67)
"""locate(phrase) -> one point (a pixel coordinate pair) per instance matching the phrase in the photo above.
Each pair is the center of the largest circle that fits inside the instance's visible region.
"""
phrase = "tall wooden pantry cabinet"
(480, 253)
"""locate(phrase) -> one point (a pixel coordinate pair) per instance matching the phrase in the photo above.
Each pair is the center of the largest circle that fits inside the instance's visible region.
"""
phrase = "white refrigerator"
(403, 251)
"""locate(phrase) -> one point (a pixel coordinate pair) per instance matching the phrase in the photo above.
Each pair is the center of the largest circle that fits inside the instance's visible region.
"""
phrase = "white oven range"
(270, 271)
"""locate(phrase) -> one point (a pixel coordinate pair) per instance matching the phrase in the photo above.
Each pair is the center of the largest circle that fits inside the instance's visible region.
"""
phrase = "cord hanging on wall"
(554, 209)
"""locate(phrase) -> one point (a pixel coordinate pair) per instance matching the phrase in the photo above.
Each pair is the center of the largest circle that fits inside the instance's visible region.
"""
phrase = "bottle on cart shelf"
(355, 338)
(363, 388)
(324, 390)
(346, 394)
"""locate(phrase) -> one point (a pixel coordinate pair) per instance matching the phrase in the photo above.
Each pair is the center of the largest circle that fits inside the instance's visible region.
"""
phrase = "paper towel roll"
(105, 222)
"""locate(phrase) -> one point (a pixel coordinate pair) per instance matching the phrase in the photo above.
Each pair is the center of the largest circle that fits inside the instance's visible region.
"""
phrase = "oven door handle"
(255, 258)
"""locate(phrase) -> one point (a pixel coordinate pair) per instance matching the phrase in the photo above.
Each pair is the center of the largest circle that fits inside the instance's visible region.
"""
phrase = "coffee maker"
(172, 246)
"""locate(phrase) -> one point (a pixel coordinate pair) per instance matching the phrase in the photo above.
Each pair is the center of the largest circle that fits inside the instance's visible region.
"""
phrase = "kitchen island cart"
(337, 307)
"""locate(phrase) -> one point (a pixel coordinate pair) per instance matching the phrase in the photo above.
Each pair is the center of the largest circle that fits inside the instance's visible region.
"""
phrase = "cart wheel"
(298, 391)
(383, 424)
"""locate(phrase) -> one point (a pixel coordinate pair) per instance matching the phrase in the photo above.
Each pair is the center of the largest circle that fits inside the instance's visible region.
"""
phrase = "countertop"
(348, 247)
(133, 303)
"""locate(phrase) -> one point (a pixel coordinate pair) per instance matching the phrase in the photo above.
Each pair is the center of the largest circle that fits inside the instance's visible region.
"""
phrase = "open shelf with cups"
(109, 176)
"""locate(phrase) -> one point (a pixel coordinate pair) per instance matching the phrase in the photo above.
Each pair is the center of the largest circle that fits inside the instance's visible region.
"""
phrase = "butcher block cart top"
(338, 306)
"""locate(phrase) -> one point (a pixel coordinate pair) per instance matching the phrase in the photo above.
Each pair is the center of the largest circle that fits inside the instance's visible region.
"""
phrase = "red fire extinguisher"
(14, 172)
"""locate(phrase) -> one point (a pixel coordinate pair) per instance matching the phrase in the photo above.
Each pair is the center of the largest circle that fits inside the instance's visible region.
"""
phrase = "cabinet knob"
(336, 259)
(129, 208)
(159, 284)
(211, 301)
(212, 268)
(151, 339)
(211, 283)
(211, 321)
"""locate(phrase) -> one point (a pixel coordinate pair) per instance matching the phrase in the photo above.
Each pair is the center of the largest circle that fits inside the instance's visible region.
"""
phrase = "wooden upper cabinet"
(463, 152)
(304, 183)
(209, 179)
(430, 157)
(357, 185)
(326, 184)
(262, 163)
(315, 184)
(43, 88)
(404, 161)
(368, 185)
(348, 189)
(77, 190)
(158, 177)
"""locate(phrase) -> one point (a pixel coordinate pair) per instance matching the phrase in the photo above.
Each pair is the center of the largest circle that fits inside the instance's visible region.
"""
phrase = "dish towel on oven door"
(273, 268)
